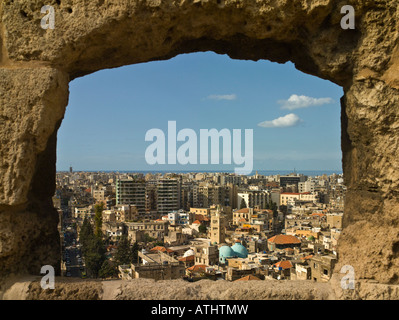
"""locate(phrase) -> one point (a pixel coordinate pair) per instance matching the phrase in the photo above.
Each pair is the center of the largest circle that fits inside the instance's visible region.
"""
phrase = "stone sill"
(28, 288)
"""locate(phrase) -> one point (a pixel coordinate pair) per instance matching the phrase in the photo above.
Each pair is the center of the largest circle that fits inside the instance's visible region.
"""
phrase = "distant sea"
(311, 173)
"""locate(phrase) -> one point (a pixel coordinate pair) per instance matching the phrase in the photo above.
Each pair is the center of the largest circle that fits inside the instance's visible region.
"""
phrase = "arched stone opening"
(36, 66)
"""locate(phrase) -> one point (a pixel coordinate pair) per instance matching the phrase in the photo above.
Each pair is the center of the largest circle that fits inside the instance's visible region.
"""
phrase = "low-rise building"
(281, 242)
(322, 267)
(158, 266)
(154, 229)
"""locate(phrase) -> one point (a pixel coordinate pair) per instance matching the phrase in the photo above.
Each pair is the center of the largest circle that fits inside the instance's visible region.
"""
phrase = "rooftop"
(284, 239)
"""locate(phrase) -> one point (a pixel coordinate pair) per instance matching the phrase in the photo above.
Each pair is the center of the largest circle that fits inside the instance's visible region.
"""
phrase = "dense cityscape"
(197, 226)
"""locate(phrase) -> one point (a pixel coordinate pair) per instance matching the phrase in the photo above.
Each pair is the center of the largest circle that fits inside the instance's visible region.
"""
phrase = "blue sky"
(295, 117)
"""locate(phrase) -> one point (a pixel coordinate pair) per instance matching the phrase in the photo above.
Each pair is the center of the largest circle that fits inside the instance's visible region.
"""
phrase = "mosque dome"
(225, 252)
(240, 250)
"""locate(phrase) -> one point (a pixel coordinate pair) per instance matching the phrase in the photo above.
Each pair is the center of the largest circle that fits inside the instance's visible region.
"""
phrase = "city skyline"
(294, 116)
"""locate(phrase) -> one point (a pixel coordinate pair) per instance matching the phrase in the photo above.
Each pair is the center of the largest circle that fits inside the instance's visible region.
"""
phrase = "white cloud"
(298, 102)
(222, 97)
(289, 120)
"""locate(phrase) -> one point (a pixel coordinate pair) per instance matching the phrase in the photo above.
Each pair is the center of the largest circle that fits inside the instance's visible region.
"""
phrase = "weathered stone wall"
(146, 289)
(36, 66)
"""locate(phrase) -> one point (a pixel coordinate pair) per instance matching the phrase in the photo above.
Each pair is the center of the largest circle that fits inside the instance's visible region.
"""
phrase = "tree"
(86, 233)
(108, 270)
(123, 253)
(94, 254)
(243, 204)
(98, 219)
(148, 238)
(134, 252)
(202, 228)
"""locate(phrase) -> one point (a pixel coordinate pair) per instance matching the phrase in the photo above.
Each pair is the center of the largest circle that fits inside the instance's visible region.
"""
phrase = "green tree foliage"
(86, 233)
(94, 254)
(98, 219)
(92, 248)
(134, 250)
(243, 204)
(123, 253)
(108, 270)
(202, 228)
(148, 238)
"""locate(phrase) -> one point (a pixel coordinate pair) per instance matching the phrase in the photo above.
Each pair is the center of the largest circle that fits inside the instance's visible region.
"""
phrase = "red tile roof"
(197, 268)
(284, 239)
(318, 214)
(285, 264)
(162, 249)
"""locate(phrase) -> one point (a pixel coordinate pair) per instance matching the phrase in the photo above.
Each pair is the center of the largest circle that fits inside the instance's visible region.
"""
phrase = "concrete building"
(131, 192)
(168, 196)
(202, 211)
(81, 213)
(180, 218)
(253, 198)
(292, 179)
(334, 220)
(307, 186)
(242, 215)
(206, 195)
(158, 266)
(206, 254)
(322, 267)
(98, 194)
(154, 229)
(289, 198)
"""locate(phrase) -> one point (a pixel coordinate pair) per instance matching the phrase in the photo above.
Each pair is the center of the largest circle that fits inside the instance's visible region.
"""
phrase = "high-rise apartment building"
(253, 198)
(187, 195)
(168, 195)
(151, 195)
(131, 192)
(292, 179)
(307, 186)
(206, 195)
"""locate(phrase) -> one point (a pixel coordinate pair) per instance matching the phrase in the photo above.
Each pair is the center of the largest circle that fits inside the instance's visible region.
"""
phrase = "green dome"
(240, 250)
(225, 252)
